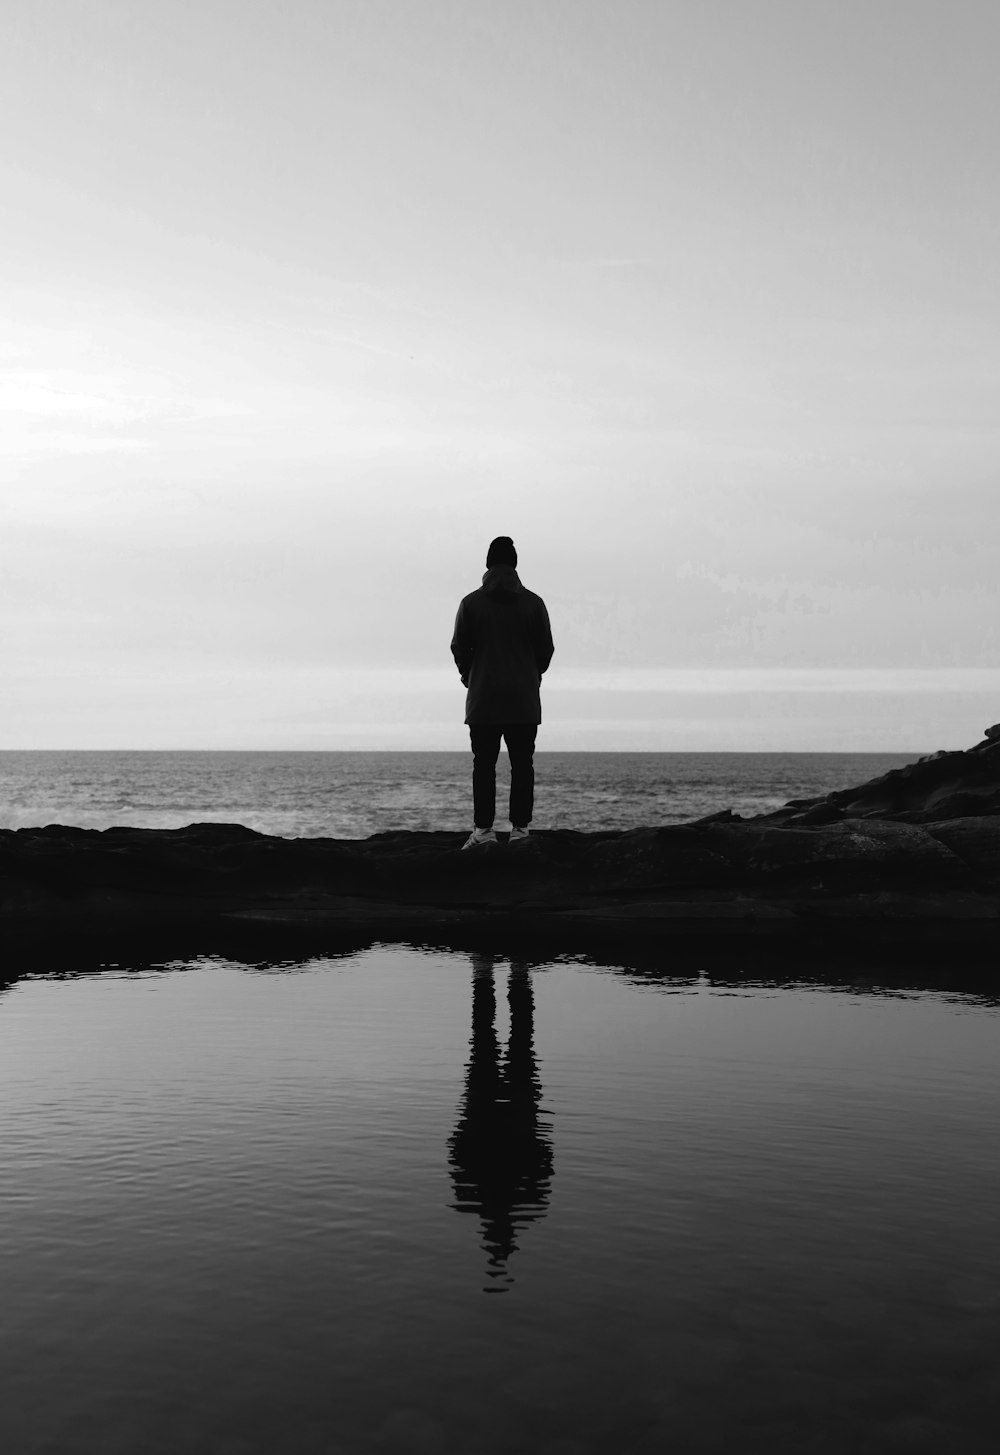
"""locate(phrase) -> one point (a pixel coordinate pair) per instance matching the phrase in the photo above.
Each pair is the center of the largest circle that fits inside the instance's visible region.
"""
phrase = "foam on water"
(352, 795)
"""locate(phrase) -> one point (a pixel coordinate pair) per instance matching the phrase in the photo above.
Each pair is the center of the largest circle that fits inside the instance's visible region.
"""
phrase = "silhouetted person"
(502, 645)
(501, 1158)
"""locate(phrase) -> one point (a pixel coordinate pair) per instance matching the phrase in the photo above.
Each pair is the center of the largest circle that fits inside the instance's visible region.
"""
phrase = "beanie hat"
(501, 552)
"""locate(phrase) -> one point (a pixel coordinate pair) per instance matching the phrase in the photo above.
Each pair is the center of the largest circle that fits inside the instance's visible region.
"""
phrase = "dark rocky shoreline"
(913, 856)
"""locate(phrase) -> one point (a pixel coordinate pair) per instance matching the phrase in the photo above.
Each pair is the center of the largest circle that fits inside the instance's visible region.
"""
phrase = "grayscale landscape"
(499, 743)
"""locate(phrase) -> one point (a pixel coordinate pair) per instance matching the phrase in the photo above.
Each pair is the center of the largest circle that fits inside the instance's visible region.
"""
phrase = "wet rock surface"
(913, 851)
(929, 790)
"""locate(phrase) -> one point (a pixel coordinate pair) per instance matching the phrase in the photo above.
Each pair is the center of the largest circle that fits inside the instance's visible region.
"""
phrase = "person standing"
(502, 645)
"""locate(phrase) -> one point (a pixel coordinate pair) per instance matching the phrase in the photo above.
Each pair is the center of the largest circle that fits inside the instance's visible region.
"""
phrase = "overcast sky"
(304, 302)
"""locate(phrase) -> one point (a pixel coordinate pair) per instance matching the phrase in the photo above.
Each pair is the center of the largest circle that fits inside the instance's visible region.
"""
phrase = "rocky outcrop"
(915, 852)
(930, 790)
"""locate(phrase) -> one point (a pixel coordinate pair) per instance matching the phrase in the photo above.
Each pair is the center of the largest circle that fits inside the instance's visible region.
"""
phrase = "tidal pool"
(420, 1201)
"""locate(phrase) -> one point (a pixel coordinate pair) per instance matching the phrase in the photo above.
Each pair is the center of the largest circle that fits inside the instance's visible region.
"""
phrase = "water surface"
(415, 1201)
(352, 795)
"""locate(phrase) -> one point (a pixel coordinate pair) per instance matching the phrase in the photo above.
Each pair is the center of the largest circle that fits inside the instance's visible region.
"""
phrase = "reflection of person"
(501, 1157)
(502, 645)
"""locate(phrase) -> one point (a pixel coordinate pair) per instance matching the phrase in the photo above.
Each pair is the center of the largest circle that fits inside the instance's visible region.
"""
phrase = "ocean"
(349, 795)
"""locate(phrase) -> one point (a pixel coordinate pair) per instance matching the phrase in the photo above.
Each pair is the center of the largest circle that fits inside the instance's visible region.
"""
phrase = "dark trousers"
(520, 740)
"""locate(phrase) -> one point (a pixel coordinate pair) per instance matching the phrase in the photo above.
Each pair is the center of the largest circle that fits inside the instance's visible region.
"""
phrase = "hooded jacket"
(502, 645)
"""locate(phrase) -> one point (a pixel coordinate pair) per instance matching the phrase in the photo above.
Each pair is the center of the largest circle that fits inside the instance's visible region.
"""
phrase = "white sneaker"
(478, 837)
(518, 835)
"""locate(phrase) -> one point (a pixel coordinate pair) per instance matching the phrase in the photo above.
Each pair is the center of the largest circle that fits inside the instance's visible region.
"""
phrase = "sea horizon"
(539, 751)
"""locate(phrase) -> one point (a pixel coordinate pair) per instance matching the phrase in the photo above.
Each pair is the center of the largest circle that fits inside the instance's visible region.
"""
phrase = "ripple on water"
(716, 1217)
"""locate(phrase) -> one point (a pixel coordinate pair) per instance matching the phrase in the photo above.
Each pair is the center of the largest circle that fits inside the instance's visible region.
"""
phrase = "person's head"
(501, 552)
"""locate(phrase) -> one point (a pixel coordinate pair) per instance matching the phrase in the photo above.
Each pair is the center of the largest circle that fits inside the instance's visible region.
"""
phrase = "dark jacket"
(502, 645)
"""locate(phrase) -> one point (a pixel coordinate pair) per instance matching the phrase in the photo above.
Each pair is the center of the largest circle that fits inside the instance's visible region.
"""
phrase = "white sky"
(302, 303)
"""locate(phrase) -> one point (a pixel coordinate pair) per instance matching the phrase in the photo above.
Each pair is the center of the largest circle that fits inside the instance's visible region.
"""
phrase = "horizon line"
(463, 752)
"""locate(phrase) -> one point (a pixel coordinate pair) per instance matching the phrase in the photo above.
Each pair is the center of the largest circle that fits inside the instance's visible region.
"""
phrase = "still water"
(427, 1202)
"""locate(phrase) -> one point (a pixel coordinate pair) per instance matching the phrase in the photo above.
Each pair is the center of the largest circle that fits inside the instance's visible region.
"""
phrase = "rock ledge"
(915, 852)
